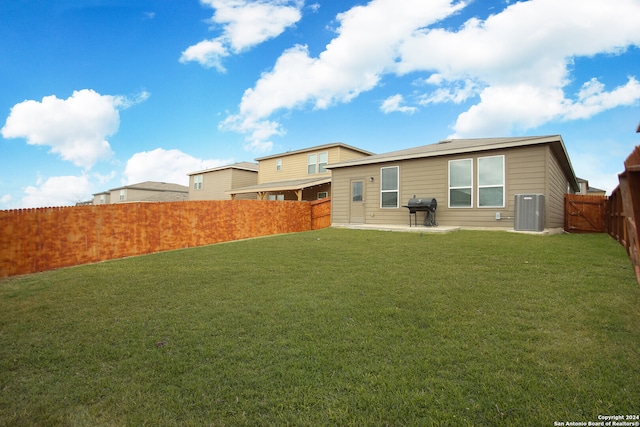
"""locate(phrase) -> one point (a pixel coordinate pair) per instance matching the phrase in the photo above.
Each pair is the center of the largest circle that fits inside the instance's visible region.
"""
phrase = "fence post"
(630, 192)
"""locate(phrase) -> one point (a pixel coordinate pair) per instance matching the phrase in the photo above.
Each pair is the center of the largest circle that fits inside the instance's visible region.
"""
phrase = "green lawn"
(330, 327)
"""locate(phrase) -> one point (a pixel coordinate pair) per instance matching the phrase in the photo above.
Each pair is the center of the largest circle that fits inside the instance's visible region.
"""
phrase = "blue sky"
(95, 94)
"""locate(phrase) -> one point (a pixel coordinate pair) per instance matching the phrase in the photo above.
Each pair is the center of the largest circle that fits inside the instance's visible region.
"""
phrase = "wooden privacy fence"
(629, 193)
(33, 240)
(617, 215)
(585, 214)
(321, 213)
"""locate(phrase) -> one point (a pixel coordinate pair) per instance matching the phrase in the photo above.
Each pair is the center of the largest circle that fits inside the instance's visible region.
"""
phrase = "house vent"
(529, 212)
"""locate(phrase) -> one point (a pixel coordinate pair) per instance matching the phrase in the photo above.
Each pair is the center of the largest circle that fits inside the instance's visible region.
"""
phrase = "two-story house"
(212, 184)
(300, 174)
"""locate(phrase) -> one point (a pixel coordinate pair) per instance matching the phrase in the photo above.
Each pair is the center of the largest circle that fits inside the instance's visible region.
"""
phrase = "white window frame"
(312, 160)
(323, 194)
(123, 194)
(103, 200)
(450, 187)
(278, 165)
(396, 190)
(502, 185)
(323, 159)
(197, 182)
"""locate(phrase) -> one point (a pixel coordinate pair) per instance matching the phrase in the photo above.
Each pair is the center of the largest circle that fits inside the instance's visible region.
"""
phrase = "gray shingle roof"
(154, 186)
(316, 148)
(248, 166)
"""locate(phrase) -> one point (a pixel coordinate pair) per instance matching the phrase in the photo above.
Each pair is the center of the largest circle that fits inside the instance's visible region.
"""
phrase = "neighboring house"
(212, 184)
(585, 189)
(148, 191)
(474, 181)
(300, 174)
(103, 198)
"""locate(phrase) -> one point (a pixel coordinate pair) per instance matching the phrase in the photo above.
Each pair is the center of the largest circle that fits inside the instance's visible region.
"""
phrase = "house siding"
(527, 170)
(216, 183)
(141, 195)
(294, 166)
(242, 178)
(554, 193)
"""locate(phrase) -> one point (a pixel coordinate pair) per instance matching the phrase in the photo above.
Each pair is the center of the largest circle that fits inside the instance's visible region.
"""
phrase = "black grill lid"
(423, 202)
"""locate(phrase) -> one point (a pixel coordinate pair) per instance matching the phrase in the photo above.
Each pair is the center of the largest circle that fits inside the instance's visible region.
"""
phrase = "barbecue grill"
(427, 205)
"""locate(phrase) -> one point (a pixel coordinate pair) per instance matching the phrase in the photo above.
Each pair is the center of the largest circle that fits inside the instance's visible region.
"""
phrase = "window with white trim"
(197, 182)
(278, 165)
(323, 194)
(461, 183)
(317, 162)
(123, 194)
(311, 163)
(491, 182)
(323, 159)
(390, 184)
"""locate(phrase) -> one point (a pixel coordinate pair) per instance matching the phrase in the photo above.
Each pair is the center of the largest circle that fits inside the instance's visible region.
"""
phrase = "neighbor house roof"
(290, 185)
(154, 186)
(248, 166)
(461, 146)
(316, 148)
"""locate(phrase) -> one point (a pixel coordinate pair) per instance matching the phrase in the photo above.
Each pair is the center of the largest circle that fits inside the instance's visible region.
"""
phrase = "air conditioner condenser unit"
(529, 212)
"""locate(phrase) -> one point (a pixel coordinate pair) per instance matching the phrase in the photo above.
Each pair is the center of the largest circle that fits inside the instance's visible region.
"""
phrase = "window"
(389, 190)
(356, 191)
(323, 158)
(102, 200)
(311, 163)
(276, 196)
(123, 194)
(460, 183)
(323, 195)
(317, 162)
(491, 182)
(278, 165)
(197, 182)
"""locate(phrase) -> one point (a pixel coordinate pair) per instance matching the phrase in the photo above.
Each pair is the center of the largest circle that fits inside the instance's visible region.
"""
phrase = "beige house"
(102, 198)
(587, 190)
(213, 184)
(476, 182)
(148, 191)
(298, 175)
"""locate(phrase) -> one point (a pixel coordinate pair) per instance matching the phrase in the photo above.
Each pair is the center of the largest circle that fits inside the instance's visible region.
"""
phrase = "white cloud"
(505, 109)
(257, 131)
(593, 99)
(245, 24)
(352, 63)
(393, 104)
(75, 128)
(209, 53)
(165, 166)
(456, 92)
(522, 56)
(517, 62)
(56, 191)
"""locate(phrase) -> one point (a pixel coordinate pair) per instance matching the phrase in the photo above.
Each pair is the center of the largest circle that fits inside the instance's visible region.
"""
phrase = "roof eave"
(276, 186)
(316, 148)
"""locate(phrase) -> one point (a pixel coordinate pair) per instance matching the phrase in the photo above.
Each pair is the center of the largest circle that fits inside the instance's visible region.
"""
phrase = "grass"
(331, 327)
